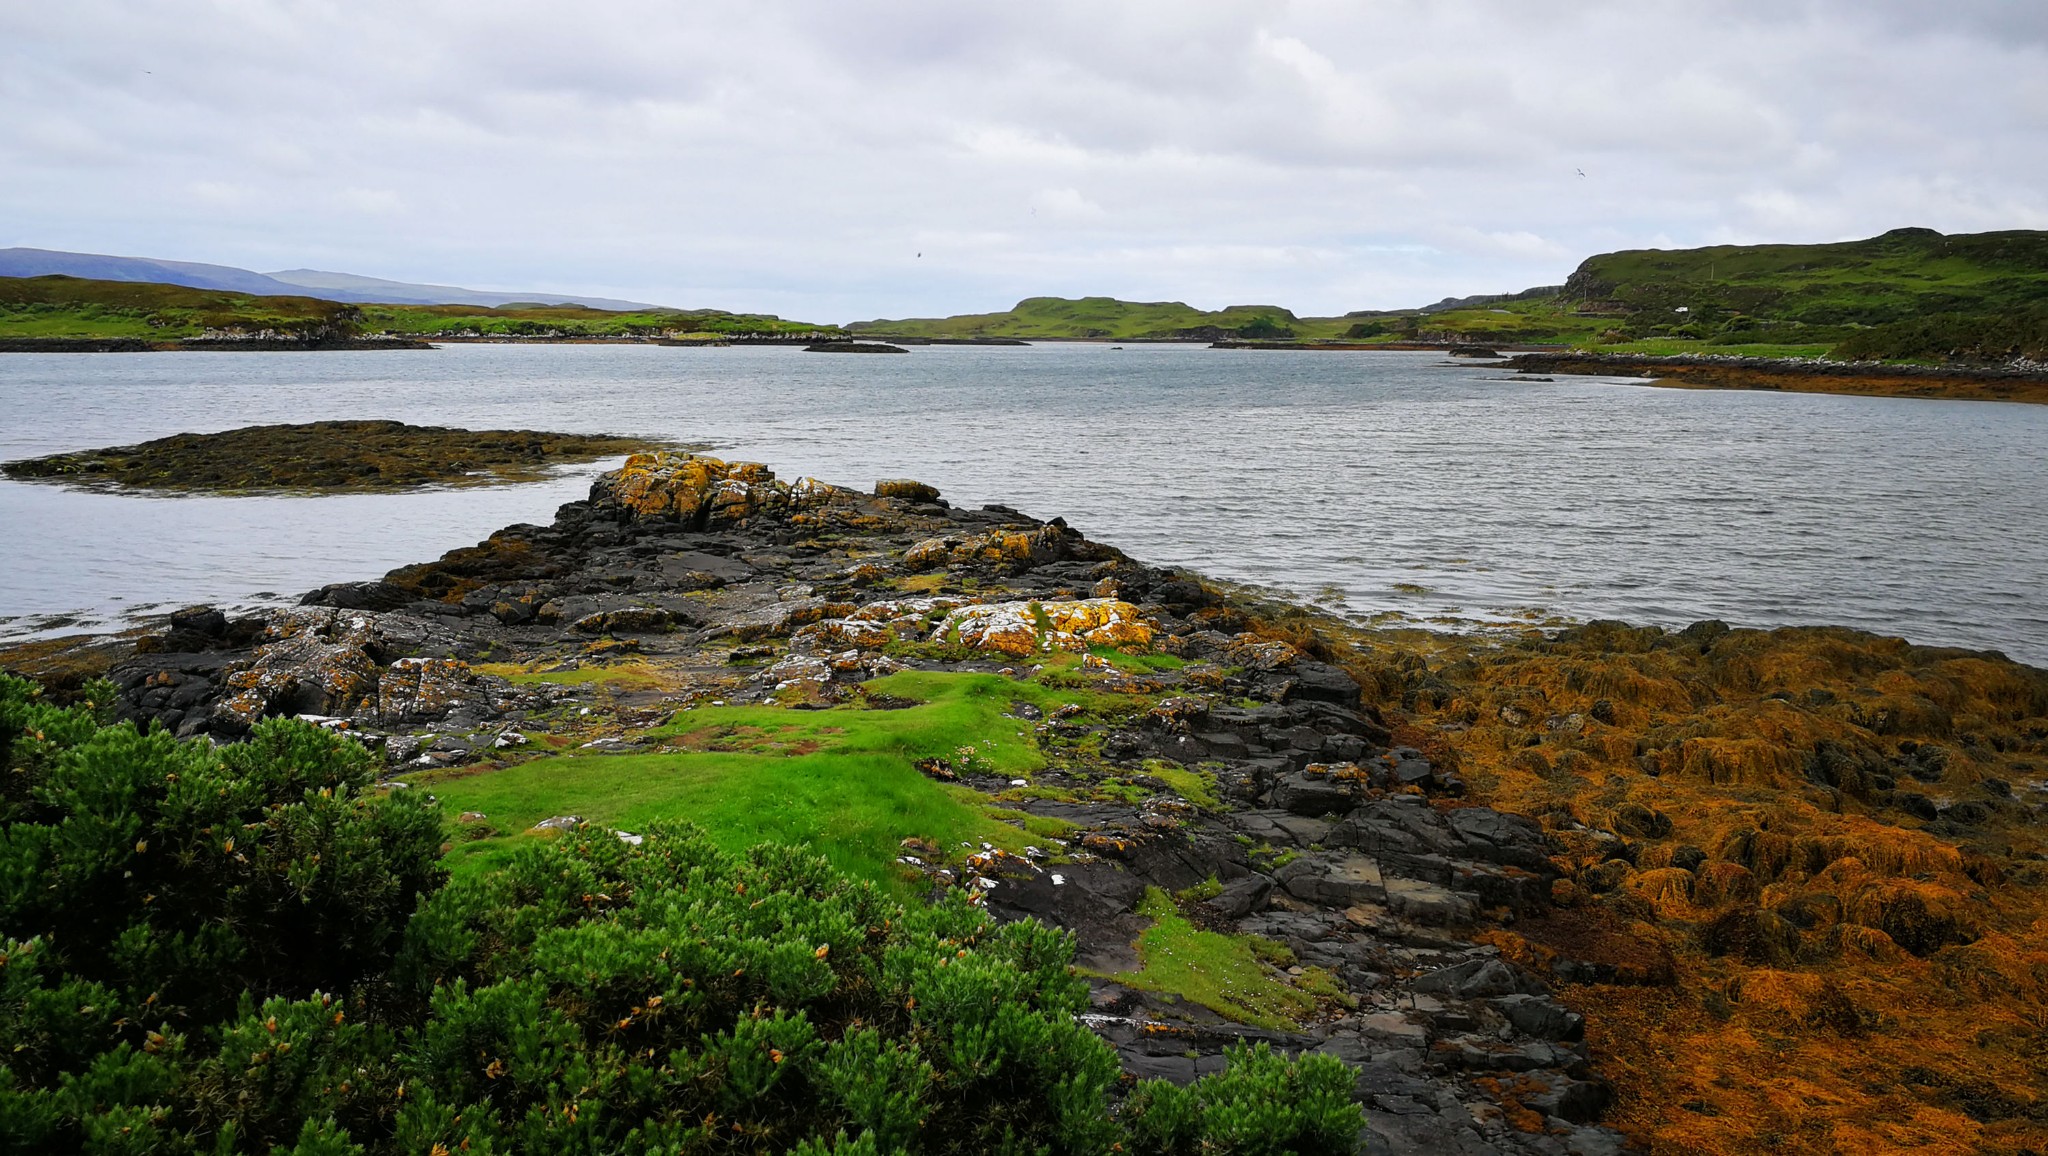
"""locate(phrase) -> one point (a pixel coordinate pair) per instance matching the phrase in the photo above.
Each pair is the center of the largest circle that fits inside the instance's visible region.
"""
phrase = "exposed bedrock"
(1259, 785)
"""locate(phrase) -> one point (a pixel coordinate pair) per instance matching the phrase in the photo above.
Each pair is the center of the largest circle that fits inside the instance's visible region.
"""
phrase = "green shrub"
(249, 950)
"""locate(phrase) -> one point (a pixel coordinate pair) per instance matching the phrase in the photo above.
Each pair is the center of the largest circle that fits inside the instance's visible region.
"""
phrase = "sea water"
(1384, 486)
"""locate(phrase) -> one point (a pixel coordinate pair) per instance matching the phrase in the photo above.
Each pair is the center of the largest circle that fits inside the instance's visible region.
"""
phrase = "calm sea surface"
(1376, 483)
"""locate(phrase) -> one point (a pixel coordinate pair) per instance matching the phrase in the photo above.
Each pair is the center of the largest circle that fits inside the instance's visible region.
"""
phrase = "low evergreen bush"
(251, 949)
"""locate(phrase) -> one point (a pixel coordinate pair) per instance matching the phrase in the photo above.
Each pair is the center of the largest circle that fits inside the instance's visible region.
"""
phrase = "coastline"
(1799, 376)
(1495, 846)
(203, 344)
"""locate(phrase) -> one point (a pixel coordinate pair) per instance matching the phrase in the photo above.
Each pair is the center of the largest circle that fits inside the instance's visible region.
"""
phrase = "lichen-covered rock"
(319, 664)
(422, 689)
(839, 633)
(904, 489)
(1021, 549)
(699, 492)
(1021, 629)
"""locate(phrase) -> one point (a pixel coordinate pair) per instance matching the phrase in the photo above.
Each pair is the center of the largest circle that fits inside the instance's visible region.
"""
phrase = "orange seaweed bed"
(1804, 903)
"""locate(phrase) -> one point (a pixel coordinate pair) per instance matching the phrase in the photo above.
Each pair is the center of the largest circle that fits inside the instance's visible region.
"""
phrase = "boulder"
(1014, 549)
(698, 492)
(906, 490)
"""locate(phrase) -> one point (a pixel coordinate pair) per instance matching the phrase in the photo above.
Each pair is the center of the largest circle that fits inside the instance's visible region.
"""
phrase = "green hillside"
(1911, 294)
(60, 306)
(1106, 318)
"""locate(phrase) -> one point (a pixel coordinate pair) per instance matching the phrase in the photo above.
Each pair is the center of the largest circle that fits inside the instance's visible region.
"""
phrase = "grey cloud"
(796, 156)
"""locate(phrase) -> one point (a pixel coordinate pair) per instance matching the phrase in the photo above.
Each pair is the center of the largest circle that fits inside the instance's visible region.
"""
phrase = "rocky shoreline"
(725, 574)
(1493, 973)
(2021, 384)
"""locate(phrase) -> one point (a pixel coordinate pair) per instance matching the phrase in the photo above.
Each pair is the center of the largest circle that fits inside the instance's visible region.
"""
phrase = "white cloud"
(796, 156)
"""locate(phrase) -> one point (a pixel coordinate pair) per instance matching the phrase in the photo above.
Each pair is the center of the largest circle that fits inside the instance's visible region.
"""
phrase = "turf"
(1224, 973)
(842, 780)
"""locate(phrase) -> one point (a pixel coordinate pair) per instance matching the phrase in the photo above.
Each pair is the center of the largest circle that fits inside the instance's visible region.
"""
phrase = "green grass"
(1223, 973)
(1196, 786)
(841, 780)
(1137, 663)
(59, 306)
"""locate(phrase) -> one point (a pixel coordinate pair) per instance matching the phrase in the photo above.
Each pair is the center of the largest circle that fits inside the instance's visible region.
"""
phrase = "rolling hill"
(351, 287)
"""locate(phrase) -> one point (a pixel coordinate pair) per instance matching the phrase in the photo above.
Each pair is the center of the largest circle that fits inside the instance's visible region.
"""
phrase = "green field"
(842, 780)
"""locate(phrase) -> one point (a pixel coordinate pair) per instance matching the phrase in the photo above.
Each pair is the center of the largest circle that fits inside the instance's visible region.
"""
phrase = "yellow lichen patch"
(691, 488)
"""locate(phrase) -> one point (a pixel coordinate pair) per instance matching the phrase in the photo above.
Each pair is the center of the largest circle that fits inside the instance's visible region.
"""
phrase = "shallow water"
(1383, 482)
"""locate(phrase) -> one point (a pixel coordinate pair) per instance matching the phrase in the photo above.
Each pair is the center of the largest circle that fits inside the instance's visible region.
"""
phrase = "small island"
(327, 457)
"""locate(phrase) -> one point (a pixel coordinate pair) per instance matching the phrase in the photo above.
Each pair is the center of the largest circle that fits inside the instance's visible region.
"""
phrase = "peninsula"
(1502, 892)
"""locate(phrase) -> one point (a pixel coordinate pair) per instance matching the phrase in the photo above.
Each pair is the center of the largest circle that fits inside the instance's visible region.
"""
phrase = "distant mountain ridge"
(348, 287)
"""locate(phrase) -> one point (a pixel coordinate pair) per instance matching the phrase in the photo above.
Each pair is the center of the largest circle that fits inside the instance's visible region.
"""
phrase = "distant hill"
(1106, 318)
(331, 286)
(65, 307)
(350, 287)
(1902, 274)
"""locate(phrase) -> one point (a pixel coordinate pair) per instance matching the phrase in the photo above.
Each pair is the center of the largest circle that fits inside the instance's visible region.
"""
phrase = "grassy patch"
(1137, 662)
(842, 780)
(1196, 786)
(1220, 972)
(620, 676)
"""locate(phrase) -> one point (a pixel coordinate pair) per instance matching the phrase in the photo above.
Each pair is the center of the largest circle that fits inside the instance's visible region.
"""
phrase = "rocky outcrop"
(1253, 780)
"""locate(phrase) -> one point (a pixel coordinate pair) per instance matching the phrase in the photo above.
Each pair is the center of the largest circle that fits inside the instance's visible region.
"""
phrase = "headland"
(1537, 891)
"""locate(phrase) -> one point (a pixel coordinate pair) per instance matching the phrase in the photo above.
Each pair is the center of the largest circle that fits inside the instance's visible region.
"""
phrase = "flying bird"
(1581, 172)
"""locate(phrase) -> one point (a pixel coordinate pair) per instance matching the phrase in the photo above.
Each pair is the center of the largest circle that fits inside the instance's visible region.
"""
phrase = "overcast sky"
(798, 157)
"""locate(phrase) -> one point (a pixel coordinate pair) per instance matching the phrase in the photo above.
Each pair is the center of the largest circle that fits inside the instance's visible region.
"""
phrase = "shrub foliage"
(250, 949)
